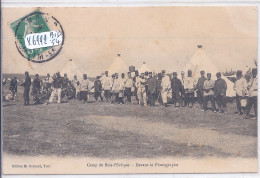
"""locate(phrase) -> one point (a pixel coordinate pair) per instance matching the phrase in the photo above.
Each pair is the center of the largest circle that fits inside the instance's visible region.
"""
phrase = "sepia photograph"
(127, 90)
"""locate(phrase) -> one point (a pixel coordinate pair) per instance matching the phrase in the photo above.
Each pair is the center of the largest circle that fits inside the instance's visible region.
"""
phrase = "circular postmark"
(39, 37)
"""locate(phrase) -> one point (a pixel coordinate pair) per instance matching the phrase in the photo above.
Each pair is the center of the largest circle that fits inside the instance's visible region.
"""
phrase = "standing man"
(76, 86)
(240, 87)
(84, 88)
(26, 84)
(152, 89)
(199, 88)
(176, 89)
(121, 94)
(189, 85)
(36, 89)
(46, 87)
(128, 86)
(135, 79)
(209, 93)
(166, 85)
(252, 94)
(97, 89)
(159, 89)
(13, 87)
(57, 88)
(106, 84)
(115, 89)
(220, 92)
(140, 83)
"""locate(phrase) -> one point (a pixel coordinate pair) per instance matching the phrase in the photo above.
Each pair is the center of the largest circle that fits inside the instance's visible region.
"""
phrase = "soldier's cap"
(146, 73)
(142, 73)
(254, 70)
(218, 74)
(128, 72)
(174, 73)
(84, 75)
(182, 72)
(106, 72)
(163, 71)
(208, 73)
(150, 73)
(202, 72)
(239, 72)
(65, 75)
(26, 72)
(36, 75)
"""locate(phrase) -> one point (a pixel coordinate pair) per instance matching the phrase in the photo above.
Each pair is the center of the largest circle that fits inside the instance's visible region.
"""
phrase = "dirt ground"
(106, 130)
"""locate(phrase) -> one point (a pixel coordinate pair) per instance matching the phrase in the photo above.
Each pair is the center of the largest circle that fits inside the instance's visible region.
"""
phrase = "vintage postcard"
(121, 90)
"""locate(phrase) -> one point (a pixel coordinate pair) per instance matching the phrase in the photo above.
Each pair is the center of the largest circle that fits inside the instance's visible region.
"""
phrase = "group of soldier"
(146, 88)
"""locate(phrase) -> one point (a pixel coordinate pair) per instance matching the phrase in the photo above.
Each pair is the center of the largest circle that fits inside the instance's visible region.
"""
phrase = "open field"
(106, 130)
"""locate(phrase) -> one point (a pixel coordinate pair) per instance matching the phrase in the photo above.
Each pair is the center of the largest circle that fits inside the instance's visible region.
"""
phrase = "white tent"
(118, 66)
(144, 68)
(71, 69)
(199, 62)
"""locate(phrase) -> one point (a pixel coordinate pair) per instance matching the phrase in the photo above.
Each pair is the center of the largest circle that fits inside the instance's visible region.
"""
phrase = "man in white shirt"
(189, 85)
(166, 86)
(84, 88)
(208, 93)
(106, 85)
(252, 94)
(140, 84)
(240, 87)
(115, 88)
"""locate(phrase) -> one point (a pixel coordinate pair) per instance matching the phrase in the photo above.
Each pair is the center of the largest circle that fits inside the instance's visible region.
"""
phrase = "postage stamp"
(39, 37)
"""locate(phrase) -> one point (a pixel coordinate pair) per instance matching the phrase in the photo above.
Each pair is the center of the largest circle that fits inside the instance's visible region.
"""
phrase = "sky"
(163, 37)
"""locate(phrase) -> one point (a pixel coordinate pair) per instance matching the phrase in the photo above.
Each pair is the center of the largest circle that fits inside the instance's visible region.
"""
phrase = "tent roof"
(118, 66)
(71, 69)
(144, 68)
(199, 62)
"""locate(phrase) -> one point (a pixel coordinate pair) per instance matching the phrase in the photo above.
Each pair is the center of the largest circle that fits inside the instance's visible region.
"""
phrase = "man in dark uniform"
(26, 84)
(13, 87)
(220, 90)
(36, 89)
(97, 89)
(199, 88)
(152, 89)
(177, 89)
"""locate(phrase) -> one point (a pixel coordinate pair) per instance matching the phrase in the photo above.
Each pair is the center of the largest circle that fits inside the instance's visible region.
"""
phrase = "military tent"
(71, 70)
(118, 66)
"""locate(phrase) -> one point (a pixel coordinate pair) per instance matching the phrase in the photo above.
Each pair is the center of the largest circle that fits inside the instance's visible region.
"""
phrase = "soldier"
(152, 89)
(166, 86)
(36, 89)
(220, 92)
(209, 93)
(240, 87)
(199, 88)
(57, 88)
(84, 88)
(252, 94)
(97, 89)
(128, 87)
(189, 85)
(106, 82)
(140, 84)
(13, 87)
(26, 84)
(177, 89)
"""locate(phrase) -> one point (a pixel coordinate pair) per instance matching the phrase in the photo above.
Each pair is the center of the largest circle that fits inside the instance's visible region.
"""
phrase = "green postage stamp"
(39, 37)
